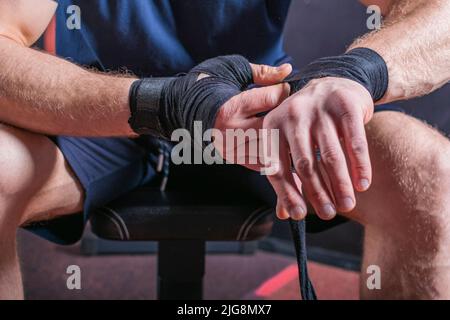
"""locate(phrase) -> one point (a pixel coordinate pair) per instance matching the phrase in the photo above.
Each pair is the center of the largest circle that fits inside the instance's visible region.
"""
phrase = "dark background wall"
(318, 28)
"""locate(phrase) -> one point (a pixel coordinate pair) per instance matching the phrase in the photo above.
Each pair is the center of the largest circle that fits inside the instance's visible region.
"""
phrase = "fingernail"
(348, 203)
(298, 212)
(282, 213)
(280, 68)
(364, 184)
(328, 210)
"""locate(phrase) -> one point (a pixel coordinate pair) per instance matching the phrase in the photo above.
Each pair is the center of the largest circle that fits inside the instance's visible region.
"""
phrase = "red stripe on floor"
(277, 282)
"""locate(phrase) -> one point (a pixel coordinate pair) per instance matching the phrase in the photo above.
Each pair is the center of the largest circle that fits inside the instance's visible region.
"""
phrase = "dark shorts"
(110, 167)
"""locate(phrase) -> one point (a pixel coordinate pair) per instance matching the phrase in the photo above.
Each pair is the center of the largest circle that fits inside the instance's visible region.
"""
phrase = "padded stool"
(181, 222)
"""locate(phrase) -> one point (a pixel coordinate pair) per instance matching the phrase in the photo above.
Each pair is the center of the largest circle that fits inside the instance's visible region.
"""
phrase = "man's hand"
(327, 115)
(243, 112)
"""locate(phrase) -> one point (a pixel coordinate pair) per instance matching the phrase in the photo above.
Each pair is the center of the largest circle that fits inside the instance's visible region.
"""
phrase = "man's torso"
(165, 37)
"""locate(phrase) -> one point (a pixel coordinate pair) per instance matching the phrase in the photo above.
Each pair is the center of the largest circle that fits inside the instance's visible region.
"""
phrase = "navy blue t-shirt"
(166, 37)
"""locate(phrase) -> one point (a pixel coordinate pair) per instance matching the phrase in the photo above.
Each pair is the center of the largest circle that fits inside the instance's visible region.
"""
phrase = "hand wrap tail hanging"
(298, 232)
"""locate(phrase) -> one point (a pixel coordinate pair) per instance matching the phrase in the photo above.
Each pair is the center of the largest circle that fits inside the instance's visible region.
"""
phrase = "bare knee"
(17, 161)
(411, 176)
(406, 211)
(19, 174)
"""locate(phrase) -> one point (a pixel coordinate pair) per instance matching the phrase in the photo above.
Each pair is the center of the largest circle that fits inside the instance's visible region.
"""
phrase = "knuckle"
(331, 156)
(348, 116)
(264, 70)
(317, 197)
(341, 98)
(289, 200)
(343, 105)
(292, 112)
(270, 122)
(305, 167)
(358, 146)
(270, 99)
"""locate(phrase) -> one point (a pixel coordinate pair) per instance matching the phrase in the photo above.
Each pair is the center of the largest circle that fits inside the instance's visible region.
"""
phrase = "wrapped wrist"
(362, 65)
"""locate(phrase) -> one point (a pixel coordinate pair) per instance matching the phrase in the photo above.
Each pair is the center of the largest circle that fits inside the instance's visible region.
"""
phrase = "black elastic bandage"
(159, 106)
(145, 103)
(362, 65)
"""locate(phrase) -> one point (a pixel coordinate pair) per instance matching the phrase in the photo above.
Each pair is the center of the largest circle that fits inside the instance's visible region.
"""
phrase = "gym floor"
(258, 276)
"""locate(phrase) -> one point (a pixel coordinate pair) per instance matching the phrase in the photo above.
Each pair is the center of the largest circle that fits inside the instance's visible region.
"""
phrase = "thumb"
(267, 75)
(264, 99)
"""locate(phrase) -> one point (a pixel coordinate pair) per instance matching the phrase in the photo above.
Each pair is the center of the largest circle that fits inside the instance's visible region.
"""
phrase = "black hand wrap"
(159, 106)
(362, 65)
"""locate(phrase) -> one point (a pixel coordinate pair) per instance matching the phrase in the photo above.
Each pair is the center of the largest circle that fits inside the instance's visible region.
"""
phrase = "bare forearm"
(46, 94)
(415, 43)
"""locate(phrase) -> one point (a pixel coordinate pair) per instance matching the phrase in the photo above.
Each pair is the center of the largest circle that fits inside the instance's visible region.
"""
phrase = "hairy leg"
(36, 184)
(406, 212)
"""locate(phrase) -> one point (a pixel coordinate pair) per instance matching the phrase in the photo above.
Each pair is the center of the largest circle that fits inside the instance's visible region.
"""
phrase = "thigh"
(407, 156)
(106, 169)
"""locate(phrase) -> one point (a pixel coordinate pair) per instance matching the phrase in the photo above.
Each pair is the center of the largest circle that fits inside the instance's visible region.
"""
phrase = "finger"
(307, 168)
(281, 212)
(332, 158)
(290, 202)
(268, 75)
(355, 143)
(261, 100)
(250, 103)
(243, 144)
